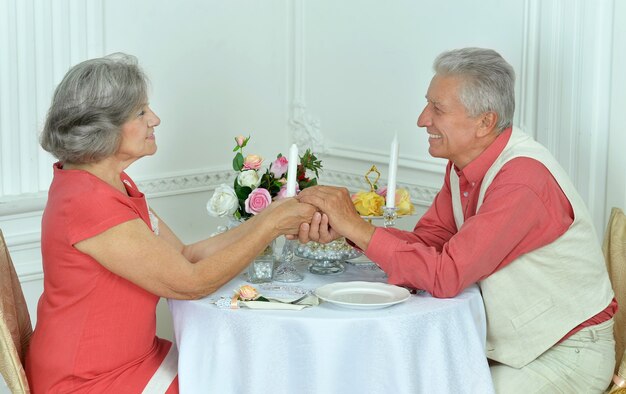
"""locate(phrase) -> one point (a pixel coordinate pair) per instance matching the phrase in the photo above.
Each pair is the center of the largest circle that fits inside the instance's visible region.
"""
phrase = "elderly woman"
(107, 257)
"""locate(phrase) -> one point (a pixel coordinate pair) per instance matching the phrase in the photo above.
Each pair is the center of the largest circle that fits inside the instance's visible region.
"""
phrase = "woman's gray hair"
(488, 81)
(89, 107)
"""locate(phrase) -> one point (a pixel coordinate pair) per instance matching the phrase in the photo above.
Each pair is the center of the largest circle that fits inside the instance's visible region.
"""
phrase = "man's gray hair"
(90, 105)
(488, 81)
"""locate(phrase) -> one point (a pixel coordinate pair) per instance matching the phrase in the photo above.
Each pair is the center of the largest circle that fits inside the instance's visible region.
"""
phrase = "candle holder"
(389, 216)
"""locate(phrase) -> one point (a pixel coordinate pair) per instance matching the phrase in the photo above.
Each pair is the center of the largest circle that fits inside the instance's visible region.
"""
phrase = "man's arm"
(524, 209)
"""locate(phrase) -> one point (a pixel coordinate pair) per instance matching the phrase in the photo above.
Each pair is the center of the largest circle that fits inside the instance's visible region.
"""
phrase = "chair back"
(15, 325)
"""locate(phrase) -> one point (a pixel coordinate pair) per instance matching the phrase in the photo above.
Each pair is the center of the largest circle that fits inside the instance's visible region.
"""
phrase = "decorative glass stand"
(327, 258)
(287, 271)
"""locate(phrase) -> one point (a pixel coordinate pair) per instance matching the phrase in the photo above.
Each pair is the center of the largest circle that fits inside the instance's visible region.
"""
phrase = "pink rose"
(252, 162)
(382, 191)
(248, 293)
(240, 139)
(283, 191)
(279, 167)
(258, 200)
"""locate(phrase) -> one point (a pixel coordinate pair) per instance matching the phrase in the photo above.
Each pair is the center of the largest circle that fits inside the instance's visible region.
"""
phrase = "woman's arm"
(201, 249)
(162, 264)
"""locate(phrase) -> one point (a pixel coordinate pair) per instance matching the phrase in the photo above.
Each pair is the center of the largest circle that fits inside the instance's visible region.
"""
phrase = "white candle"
(393, 169)
(292, 170)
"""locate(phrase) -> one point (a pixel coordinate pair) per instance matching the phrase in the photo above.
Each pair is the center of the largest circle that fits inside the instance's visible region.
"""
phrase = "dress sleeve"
(91, 214)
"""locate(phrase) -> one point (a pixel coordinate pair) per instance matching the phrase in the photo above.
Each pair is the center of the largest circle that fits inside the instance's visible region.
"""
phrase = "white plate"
(361, 260)
(375, 217)
(362, 295)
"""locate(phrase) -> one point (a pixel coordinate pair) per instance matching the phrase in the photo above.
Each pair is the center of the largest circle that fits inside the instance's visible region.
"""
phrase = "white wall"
(340, 77)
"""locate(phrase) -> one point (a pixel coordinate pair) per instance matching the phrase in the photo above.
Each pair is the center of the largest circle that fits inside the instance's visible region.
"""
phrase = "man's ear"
(488, 121)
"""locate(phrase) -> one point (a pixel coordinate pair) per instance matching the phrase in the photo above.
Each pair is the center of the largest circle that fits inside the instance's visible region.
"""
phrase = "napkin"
(272, 303)
(282, 303)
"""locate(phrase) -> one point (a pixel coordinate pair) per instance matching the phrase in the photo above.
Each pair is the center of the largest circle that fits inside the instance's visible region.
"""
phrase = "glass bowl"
(327, 258)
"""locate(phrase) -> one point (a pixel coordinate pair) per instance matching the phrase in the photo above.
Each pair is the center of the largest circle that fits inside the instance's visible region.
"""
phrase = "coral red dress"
(95, 331)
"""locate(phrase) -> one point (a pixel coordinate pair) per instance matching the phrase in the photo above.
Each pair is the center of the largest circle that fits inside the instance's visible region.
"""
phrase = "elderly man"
(507, 218)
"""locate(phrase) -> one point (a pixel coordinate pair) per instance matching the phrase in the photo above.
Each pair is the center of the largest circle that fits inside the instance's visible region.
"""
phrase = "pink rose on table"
(248, 293)
(279, 167)
(252, 162)
(382, 191)
(282, 193)
(258, 200)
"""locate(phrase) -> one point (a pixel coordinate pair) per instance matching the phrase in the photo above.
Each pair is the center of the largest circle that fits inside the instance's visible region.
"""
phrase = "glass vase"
(261, 268)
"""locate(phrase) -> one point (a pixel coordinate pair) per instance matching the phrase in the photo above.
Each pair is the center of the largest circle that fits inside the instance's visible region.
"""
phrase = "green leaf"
(238, 162)
(304, 184)
(242, 192)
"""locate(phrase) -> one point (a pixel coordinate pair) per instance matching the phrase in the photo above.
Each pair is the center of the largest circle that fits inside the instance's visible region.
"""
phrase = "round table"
(422, 345)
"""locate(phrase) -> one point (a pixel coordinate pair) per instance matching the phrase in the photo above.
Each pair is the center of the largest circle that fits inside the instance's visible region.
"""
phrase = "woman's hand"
(287, 215)
(318, 230)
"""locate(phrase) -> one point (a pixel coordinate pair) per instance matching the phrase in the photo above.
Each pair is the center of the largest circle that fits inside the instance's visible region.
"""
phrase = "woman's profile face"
(138, 135)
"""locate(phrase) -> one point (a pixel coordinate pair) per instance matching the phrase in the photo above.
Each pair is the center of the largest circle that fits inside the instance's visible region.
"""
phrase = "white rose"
(249, 178)
(224, 201)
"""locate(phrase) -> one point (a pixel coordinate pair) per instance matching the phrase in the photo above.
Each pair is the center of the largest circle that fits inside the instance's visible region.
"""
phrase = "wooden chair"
(614, 248)
(15, 325)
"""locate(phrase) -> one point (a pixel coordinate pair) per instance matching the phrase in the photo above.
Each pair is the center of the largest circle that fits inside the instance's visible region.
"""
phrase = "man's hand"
(318, 230)
(338, 217)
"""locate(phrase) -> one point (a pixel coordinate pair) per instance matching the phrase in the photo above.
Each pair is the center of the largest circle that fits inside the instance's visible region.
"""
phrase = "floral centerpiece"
(254, 189)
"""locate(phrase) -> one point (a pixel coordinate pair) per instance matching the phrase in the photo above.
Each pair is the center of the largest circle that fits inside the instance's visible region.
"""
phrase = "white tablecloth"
(423, 345)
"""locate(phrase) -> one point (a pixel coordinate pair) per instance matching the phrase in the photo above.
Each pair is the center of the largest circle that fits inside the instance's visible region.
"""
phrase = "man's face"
(452, 133)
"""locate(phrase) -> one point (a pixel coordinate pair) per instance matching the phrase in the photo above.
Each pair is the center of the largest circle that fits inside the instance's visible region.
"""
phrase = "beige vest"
(539, 297)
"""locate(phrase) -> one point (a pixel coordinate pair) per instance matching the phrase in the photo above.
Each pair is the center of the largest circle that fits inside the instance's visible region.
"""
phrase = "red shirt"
(95, 330)
(523, 209)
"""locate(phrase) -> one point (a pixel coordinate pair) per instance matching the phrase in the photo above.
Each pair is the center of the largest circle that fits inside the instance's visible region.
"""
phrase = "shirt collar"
(477, 168)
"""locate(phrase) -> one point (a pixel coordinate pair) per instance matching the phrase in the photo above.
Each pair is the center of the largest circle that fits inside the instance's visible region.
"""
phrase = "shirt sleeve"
(523, 209)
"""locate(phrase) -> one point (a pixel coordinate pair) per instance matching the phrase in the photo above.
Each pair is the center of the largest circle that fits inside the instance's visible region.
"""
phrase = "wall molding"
(565, 83)
(305, 128)
(185, 183)
(434, 166)
(209, 180)
(40, 41)
(420, 195)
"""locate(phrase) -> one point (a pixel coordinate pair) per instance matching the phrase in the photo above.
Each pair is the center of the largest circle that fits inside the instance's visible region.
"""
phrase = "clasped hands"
(336, 217)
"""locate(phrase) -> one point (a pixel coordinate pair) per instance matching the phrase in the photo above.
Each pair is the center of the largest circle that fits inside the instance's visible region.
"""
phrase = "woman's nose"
(154, 119)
